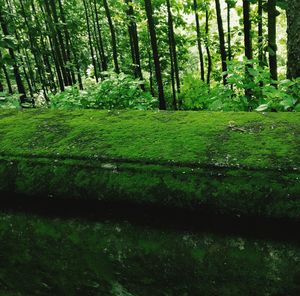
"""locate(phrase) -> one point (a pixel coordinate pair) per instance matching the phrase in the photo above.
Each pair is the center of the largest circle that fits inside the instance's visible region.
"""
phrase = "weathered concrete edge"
(231, 191)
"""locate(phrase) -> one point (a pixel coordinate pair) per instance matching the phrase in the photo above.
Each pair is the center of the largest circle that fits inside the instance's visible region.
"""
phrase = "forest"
(217, 55)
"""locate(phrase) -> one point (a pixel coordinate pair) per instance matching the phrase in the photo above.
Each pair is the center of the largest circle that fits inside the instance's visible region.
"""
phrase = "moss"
(234, 163)
(224, 139)
(80, 258)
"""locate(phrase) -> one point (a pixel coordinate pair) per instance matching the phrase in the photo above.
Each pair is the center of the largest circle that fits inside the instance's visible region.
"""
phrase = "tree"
(134, 42)
(18, 78)
(272, 46)
(113, 36)
(221, 40)
(153, 38)
(293, 43)
(195, 6)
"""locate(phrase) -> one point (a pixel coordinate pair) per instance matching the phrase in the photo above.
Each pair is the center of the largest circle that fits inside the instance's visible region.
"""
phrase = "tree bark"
(209, 61)
(153, 38)
(229, 31)
(19, 82)
(272, 46)
(293, 43)
(134, 42)
(260, 33)
(90, 40)
(195, 6)
(172, 55)
(101, 43)
(113, 36)
(222, 41)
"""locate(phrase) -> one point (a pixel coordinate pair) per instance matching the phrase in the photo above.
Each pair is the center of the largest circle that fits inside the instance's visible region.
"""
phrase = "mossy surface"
(251, 140)
(67, 257)
(234, 163)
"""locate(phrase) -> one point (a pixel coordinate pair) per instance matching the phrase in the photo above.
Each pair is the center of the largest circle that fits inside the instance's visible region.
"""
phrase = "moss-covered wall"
(237, 163)
(67, 257)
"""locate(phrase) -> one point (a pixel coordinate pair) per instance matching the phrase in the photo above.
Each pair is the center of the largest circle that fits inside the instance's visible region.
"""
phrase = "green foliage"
(114, 92)
(265, 94)
(9, 101)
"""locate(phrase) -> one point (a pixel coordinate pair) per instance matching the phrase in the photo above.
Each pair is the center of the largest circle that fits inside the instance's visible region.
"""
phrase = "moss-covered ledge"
(237, 163)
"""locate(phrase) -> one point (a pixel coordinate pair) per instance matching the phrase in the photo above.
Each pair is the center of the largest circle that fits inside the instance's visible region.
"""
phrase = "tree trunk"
(19, 82)
(229, 32)
(247, 43)
(247, 30)
(90, 39)
(272, 46)
(222, 41)
(171, 51)
(260, 39)
(134, 42)
(195, 5)
(209, 61)
(101, 44)
(8, 83)
(293, 44)
(151, 26)
(113, 37)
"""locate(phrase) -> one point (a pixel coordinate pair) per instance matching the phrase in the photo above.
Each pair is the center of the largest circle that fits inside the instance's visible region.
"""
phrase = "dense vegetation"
(144, 54)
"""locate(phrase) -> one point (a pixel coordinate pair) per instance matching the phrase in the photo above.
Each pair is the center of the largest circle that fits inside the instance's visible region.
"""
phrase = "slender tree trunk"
(68, 41)
(101, 44)
(8, 83)
(222, 40)
(293, 44)
(1, 85)
(209, 61)
(19, 82)
(153, 37)
(90, 39)
(172, 56)
(56, 53)
(229, 31)
(134, 42)
(113, 37)
(150, 71)
(174, 50)
(247, 30)
(272, 46)
(60, 43)
(247, 43)
(198, 30)
(260, 34)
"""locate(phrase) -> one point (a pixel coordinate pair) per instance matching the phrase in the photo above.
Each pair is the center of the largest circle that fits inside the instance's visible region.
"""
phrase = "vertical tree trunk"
(260, 33)
(113, 37)
(293, 44)
(247, 43)
(247, 30)
(60, 43)
(90, 40)
(101, 44)
(222, 40)
(272, 46)
(134, 42)
(209, 61)
(55, 48)
(229, 32)
(1, 85)
(172, 56)
(195, 5)
(19, 82)
(8, 83)
(153, 37)
(67, 38)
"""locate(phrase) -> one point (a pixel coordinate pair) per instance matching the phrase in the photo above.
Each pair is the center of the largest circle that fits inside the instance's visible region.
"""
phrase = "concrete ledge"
(233, 163)
(67, 257)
